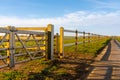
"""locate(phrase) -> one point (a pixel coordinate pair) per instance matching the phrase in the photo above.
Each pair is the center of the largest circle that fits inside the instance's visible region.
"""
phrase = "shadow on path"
(107, 54)
(118, 43)
(108, 67)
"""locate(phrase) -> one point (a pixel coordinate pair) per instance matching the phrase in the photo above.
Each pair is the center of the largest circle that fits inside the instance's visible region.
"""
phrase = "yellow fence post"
(61, 42)
(45, 42)
(50, 43)
(8, 46)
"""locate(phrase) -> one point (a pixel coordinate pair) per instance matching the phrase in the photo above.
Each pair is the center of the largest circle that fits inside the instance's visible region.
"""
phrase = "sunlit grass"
(91, 48)
(41, 69)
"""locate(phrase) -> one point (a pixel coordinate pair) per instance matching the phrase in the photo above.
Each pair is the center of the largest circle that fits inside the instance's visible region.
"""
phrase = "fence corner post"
(50, 43)
(61, 42)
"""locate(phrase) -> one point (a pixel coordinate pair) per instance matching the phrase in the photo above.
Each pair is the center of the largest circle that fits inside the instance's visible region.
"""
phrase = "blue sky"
(97, 16)
(53, 8)
(42, 8)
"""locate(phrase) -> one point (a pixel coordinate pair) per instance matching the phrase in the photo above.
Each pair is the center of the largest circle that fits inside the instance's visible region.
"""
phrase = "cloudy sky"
(96, 16)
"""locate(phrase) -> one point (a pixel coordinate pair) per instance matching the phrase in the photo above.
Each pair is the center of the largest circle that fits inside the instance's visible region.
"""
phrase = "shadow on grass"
(75, 69)
(49, 74)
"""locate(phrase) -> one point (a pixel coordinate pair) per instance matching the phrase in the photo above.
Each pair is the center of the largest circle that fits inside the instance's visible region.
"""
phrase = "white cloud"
(83, 20)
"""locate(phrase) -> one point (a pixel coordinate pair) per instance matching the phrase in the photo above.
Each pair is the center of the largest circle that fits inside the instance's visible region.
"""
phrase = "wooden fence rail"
(87, 38)
(21, 44)
(28, 47)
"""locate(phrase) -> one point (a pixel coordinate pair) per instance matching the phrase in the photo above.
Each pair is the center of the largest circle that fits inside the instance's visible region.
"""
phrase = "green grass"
(41, 69)
(23, 72)
(91, 48)
(13, 75)
(117, 38)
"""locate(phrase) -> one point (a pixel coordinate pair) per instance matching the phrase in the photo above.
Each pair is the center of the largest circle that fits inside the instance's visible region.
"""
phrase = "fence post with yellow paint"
(10, 47)
(7, 46)
(61, 42)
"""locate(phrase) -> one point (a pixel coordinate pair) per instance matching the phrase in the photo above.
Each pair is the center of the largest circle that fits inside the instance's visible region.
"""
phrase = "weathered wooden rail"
(86, 38)
(21, 44)
(17, 49)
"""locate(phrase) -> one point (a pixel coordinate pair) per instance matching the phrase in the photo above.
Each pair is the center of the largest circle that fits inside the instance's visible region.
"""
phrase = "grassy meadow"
(58, 69)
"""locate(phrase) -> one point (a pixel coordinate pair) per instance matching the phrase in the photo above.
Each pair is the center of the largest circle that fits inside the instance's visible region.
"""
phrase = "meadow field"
(42, 69)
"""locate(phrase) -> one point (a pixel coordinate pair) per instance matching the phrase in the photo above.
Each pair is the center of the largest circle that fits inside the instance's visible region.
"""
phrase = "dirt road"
(107, 67)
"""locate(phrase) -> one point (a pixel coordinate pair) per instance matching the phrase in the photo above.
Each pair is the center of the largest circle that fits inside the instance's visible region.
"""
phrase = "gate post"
(8, 46)
(12, 46)
(50, 43)
(61, 42)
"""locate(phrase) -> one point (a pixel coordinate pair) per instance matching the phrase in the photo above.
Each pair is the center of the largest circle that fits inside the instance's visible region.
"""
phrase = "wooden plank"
(31, 28)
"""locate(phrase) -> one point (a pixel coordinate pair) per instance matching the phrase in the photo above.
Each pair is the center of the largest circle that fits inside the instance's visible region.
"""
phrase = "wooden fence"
(21, 44)
(16, 44)
(86, 38)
